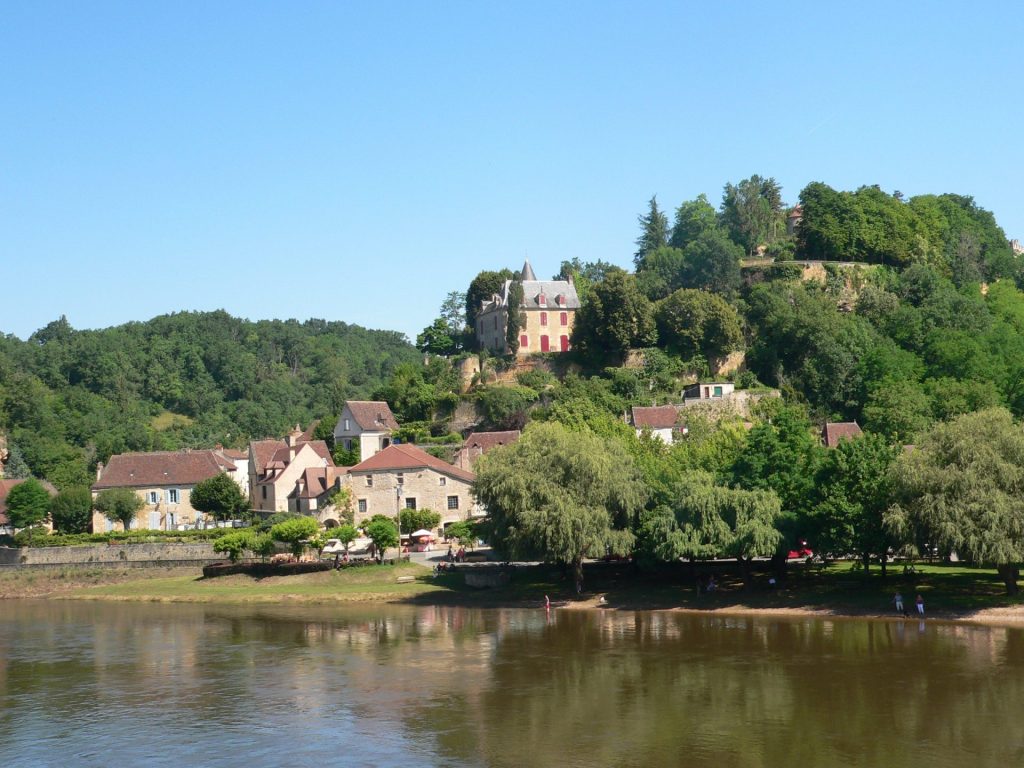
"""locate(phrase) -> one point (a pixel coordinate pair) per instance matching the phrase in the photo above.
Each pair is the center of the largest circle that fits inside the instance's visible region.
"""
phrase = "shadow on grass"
(948, 591)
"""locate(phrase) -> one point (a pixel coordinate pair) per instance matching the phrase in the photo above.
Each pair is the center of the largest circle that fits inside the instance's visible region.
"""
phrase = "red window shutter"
(524, 341)
(565, 318)
(565, 343)
(543, 318)
(545, 344)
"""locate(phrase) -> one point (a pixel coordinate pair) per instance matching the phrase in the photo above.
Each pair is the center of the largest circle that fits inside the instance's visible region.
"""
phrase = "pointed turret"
(527, 273)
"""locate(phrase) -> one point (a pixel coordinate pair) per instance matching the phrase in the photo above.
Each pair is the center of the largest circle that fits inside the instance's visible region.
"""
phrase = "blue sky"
(357, 162)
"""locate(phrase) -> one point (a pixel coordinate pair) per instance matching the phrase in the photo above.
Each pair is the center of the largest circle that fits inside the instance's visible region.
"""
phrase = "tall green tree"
(703, 520)
(712, 263)
(516, 319)
(219, 496)
(653, 231)
(962, 490)
(28, 504)
(71, 510)
(119, 505)
(693, 218)
(560, 496)
(615, 318)
(781, 454)
(852, 494)
(752, 212)
(695, 323)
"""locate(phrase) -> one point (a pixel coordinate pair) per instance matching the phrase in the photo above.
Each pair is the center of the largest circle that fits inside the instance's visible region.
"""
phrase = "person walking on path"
(898, 599)
(920, 606)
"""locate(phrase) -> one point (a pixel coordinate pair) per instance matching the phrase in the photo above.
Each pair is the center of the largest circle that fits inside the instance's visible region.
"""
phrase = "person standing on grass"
(898, 600)
(920, 606)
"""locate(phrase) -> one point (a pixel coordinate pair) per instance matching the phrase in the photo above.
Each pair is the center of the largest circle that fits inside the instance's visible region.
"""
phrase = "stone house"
(479, 443)
(164, 481)
(366, 424)
(548, 306)
(277, 467)
(406, 477)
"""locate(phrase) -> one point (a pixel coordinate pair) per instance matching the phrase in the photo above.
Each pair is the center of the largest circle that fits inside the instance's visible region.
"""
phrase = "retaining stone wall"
(107, 554)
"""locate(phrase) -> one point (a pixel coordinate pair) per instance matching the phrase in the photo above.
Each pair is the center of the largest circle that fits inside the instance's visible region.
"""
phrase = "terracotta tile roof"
(316, 481)
(482, 442)
(656, 417)
(372, 415)
(234, 454)
(835, 431)
(404, 457)
(134, 470)
(263, 451)
(5, 488)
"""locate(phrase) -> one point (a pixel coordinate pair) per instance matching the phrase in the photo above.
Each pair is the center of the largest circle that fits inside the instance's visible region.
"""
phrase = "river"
(125, 684)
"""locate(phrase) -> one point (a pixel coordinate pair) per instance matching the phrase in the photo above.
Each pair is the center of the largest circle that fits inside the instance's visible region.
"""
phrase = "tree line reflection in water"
(395, 685)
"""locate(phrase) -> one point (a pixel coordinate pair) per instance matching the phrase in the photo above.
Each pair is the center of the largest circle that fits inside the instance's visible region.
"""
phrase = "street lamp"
(398, 518)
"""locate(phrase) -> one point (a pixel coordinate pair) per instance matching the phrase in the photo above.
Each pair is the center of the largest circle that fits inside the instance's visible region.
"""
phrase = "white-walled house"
(366, 424)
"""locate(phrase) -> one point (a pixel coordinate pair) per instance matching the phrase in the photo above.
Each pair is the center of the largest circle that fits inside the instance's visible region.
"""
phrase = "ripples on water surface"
(177, 685)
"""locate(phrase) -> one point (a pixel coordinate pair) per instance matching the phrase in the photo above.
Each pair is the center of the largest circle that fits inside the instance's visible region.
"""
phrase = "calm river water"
(109, 684)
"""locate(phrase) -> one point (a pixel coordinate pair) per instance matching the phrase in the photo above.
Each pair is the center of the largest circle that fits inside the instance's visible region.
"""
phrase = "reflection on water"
(108, 683)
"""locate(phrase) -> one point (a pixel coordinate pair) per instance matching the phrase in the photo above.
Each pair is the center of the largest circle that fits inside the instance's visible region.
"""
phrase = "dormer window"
(542, 300)
(561, 299)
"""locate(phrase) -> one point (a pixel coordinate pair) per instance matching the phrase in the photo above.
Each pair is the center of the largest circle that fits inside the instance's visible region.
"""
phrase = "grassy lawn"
(949, 591)
(377, 582)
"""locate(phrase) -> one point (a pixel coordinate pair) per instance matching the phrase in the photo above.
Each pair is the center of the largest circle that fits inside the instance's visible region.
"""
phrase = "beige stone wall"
(105, 553)
(424, 485)
(554, 330)
(490, 330)
(163, 510)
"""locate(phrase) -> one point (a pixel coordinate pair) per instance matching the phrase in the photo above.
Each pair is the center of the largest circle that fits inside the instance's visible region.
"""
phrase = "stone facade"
(402, 477)
(548, 309)
(104, 554)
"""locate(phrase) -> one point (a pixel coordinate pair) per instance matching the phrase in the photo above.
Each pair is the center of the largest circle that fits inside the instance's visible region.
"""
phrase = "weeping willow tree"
(560, 496)
(962, 490)
(703, 520)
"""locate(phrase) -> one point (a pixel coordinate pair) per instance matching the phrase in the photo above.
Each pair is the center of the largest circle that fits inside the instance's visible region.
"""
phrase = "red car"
(801, 552)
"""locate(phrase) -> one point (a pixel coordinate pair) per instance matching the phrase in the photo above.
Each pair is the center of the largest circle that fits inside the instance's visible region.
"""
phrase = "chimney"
(99, 470)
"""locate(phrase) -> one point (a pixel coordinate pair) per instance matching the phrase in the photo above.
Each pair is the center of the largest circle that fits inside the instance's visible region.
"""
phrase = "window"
(347, 427)
(410, 502)
(401, 479)
(561, 299)
(545, 344)
(564, 342)
(718, 391)
(369, 481)
(542, 300)
(442, 481)
(453, 502)
(524, 341)
(543, 318)
(172, 495)
(348, 443)
(362, 506)
(153, 497)
(564, 318)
